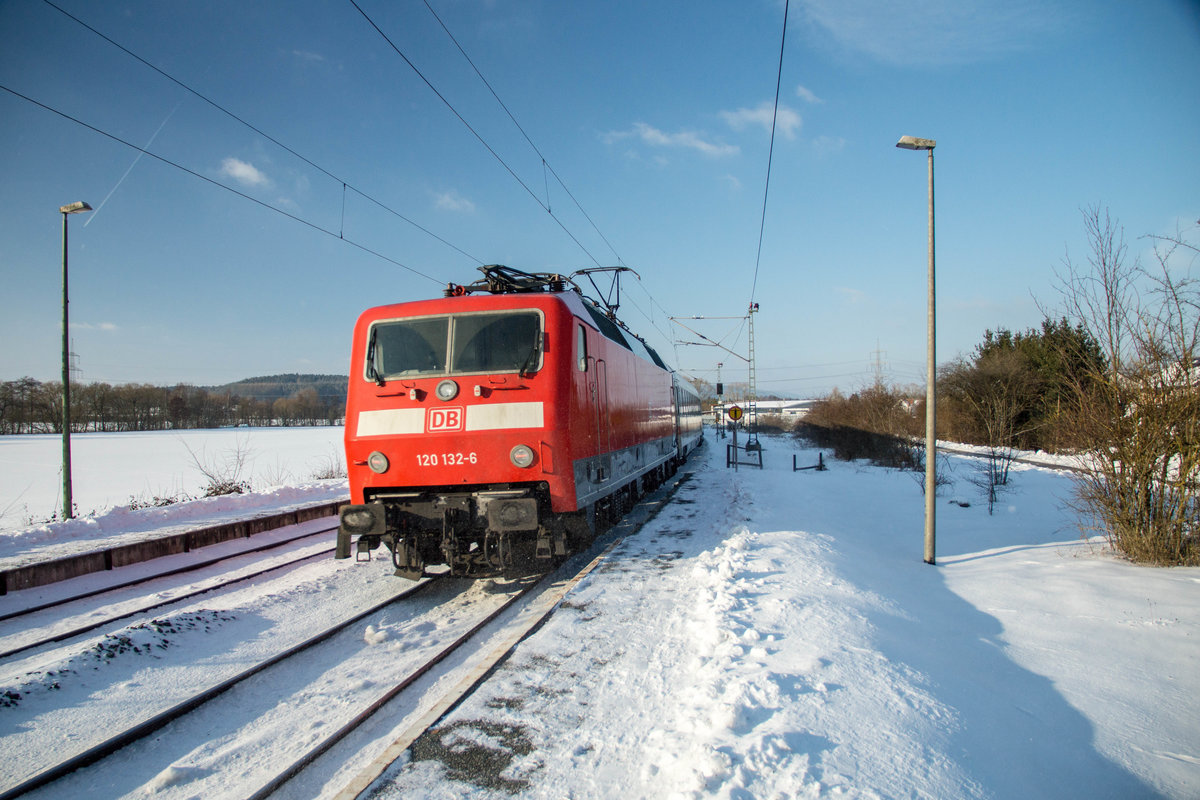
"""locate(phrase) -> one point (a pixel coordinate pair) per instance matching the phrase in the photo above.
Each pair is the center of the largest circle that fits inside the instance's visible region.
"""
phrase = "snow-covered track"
(1031, 460)
(155, 601)
(166, 573)
(535, 614)
(18, 575)
(264, 731)
(541, 608)
(324, 746)
(160, 720)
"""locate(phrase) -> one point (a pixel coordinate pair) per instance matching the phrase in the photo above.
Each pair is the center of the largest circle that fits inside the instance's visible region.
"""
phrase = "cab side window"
(581, 347)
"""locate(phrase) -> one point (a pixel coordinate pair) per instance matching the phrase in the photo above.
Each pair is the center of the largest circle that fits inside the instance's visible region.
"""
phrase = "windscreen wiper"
(531, 359)
(372, 372)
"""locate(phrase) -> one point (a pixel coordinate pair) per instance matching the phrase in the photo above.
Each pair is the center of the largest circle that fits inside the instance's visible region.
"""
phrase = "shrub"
(876, 424)
(223, 478)
(331, 468)
(157, 501)
(1141, 416)
(774, 423)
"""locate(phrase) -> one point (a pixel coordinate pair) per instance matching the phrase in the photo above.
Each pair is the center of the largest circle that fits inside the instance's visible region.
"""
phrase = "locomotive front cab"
(449, 435)
(464, 344)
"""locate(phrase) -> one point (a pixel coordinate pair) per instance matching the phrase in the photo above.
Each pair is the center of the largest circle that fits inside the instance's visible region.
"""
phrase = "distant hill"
(272, 387)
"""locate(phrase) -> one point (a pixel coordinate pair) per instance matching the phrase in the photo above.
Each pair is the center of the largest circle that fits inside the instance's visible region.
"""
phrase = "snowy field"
(775, 634)
(109, 470)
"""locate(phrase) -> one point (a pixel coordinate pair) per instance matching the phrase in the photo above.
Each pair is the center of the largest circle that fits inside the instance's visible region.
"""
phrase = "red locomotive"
(502, 422)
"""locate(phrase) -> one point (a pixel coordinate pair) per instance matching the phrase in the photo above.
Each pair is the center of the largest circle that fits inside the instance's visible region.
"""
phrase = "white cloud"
(107, 327)
(243, 172)
(827, 145)
(853, 296)
(452, 201)
(685, 139)
(807, 95)
(787, 121)
(305, 55)
(932, 31)
(732, 181)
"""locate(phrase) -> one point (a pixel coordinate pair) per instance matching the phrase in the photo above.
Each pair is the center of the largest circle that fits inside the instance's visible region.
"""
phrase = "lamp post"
(913, 143)
(68, 506)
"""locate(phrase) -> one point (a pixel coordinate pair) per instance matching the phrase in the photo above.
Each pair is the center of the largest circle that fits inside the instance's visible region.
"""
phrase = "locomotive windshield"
(455, 344)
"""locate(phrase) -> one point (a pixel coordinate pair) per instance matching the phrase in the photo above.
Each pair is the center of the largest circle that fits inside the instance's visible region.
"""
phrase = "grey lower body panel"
(599, 476)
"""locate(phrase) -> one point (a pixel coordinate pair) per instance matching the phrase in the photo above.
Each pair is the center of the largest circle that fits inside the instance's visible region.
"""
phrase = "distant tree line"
(31, 406)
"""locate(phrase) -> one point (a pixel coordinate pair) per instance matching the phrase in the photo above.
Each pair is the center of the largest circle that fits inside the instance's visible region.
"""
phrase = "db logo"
(445, 419)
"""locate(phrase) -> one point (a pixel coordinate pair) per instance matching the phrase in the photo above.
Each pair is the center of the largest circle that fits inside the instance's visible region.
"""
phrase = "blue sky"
(656, 116)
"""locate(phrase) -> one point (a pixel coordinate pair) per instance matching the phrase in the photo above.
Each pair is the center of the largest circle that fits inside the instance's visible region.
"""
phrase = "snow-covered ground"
(117, 476)
(776, 634)
(109, 470)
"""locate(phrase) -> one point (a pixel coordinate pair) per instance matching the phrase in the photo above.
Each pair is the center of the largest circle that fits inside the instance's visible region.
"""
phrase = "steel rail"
(547, 604)
(146, 727)
(176, 571)
(79, 631)
(478, 673)
(322, 747)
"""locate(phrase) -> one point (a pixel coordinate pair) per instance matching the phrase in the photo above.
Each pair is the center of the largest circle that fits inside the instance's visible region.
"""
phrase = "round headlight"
(447, 390)
(521, 456)
(378, 462)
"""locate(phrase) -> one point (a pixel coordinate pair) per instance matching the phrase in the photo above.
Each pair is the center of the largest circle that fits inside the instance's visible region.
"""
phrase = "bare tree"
(996, 394)
(1142, 418)
(1103, 296)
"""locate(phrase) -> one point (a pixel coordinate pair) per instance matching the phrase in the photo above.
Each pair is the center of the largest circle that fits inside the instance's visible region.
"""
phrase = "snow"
(777, 634)
(768, 633)
(109, 470)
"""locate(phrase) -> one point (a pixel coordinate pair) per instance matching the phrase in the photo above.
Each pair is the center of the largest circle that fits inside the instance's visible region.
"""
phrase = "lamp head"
(913, 143)
(75, 208)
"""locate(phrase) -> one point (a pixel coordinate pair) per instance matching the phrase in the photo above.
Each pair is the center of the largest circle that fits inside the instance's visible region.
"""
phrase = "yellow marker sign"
(735, 413)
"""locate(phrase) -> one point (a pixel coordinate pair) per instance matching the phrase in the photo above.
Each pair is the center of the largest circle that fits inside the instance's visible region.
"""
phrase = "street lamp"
(68, 508)
(913, 143)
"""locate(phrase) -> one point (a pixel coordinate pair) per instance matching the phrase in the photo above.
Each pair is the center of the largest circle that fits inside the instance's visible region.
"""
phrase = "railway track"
(538, 612)
(498, 649)
(488, 624)
(146, 727)
(68, 626)
(962, 451)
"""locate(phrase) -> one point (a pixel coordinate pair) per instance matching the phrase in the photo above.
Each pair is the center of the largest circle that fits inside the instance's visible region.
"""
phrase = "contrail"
(136, 159)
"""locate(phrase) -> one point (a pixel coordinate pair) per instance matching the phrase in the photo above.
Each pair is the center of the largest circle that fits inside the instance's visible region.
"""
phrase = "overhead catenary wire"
(753, 306)
(545, 164)
(474, 132)
(260, 132)
(770, 156)
(206, 179)
(548, 168)
(349, 187)
(666, 336)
